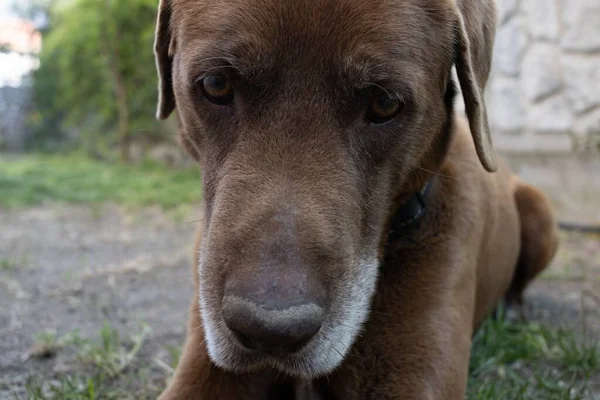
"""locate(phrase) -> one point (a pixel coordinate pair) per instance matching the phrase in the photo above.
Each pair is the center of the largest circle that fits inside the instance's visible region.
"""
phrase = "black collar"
(409, 214)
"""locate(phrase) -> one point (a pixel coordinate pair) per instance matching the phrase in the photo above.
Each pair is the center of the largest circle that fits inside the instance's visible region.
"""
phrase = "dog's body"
(300, 194)
(434, 291)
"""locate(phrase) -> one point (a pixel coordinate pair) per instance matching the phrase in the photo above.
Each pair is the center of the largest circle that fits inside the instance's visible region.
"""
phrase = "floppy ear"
(164, 60)
(474, 42)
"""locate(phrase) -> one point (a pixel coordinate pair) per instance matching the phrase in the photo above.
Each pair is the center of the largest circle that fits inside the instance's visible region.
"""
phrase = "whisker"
(278, 373)
(196, 328)
(355, 329)
(193, 310)
(382, 313)
(423, 245)
(337, 351)
(437, 173)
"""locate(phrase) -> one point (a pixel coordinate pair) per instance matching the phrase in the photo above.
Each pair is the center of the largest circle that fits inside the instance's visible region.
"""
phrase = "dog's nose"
(272, 330)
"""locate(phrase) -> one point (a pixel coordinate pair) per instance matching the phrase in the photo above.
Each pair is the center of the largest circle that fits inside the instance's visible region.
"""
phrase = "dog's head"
(310, 120)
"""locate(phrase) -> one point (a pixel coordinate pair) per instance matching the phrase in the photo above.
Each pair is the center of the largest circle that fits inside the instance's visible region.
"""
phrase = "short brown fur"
(290, 166)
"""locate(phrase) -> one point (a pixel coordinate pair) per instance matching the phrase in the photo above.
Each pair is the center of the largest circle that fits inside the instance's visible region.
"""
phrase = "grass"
(34, 179)
(510, 360)
(13, 264)
(7, 265)
(46, 344)
(518, 360)
(107, 359)
(175, 353)
(108, 354)
(69, 388)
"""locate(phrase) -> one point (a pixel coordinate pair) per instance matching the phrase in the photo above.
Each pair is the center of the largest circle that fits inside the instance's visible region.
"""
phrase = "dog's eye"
(383, 108)
(217, 89)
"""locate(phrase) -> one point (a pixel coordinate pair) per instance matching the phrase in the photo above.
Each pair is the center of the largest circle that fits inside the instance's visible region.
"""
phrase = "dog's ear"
(474, 40)
(164, 60)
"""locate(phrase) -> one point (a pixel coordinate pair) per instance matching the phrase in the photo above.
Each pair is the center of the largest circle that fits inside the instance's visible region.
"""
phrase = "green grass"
(46, 344)
(34, 179)
(13, 264)
(518, 360)
(175, 353)
(106, 358)
(7, 265)
(510, 360)
(108, 354)
(69, 388)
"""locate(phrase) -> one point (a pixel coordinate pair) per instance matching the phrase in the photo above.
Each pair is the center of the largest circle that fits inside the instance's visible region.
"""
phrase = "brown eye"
(217, 89)
(383, 108)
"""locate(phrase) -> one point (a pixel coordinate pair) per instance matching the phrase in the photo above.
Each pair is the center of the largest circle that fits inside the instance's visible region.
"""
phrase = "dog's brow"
(366, 71)
(205, 64)
(208, 56)
(362, 70)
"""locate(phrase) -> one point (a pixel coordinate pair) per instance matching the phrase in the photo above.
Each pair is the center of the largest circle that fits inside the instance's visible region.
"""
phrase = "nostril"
(245, 340)
(273, 331)
(298, 342)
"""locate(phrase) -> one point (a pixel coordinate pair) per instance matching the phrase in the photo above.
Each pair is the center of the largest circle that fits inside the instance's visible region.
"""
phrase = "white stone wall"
(544, 91)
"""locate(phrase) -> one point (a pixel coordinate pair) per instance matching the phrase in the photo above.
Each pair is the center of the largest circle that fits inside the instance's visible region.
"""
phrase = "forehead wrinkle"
(209, 54)
(397, 76)
(361, 69)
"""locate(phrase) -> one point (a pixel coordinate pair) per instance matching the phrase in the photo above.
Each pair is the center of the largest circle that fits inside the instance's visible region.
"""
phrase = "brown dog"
(352, 240)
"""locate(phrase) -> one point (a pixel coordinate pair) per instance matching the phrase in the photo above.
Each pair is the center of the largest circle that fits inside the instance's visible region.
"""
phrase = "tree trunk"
(123, 115)
(120, 89)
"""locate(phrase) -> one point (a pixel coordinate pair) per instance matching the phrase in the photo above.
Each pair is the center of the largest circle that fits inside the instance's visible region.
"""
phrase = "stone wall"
(544, 91)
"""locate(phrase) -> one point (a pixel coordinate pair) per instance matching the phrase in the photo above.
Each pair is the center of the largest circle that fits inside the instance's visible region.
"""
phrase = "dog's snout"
(272, 330)
(275, 300)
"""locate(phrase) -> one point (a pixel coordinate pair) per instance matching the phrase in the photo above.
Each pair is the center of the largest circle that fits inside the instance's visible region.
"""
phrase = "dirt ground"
(71, 268)
(76, 268)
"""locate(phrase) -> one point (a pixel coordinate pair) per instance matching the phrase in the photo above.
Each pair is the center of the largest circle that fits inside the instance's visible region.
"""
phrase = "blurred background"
(79, 75)
(98, 204)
